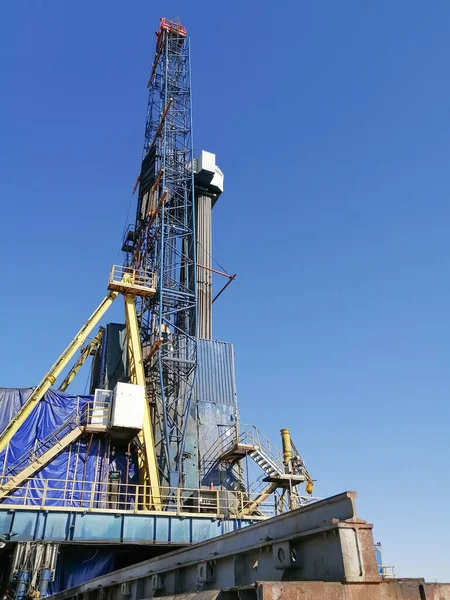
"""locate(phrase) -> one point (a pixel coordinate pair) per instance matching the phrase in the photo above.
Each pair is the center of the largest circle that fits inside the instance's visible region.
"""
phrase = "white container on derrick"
(128, 403)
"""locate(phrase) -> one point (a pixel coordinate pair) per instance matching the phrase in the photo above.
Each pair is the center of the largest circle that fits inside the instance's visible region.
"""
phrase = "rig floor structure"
(155, 457)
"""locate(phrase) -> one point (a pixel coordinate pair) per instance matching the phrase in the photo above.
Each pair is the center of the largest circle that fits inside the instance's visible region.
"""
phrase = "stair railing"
(76, 419)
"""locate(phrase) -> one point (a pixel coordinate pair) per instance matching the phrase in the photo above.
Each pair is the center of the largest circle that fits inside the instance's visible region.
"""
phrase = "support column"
(204, 276)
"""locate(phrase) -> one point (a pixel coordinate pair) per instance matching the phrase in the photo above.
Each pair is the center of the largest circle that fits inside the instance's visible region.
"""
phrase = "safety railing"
(128, 276)
(121, 497)
(96, 414)
(93, 415)
(387, 572)
(172, 26)
(247, 435)
(39, 448)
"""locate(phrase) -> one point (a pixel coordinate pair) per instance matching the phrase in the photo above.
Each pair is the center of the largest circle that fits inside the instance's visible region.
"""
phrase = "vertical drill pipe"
(85, 467)
(77, 456)
(128, 468)
(98, 479)
(69, 458)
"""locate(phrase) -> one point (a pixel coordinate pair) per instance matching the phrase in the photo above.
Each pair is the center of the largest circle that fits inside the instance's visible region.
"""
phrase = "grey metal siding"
(215, 380)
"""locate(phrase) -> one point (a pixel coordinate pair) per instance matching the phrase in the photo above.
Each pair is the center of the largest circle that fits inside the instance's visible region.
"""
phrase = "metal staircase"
(247, 441)
(37, 462)
(47, 449)
(265, 463)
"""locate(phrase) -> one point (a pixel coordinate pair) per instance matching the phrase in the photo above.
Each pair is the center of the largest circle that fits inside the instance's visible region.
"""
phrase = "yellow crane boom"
(130, 283)
(50, 378)
(86, 351)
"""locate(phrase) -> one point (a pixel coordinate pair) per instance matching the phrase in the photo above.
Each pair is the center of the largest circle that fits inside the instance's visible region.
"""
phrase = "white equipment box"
(128, 406)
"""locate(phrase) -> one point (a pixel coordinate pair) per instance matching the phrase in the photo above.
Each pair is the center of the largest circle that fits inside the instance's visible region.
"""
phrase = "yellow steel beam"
(254, 504)
(55, 371)
(137, 376)
(37, 464)
(86, 351)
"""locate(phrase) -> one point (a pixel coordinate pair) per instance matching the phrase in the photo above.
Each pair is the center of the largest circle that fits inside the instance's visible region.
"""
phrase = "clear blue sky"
(331, 122)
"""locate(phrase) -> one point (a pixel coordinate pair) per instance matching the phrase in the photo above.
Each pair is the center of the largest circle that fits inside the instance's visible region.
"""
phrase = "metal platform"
(66, 525)
(93, 419)
(135, 282)
(238, 451)
(285, 480)
(88, 512)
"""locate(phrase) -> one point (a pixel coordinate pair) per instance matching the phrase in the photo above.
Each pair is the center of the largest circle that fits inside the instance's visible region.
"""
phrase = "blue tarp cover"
(74, 463)
(73, 466)
(77, 565)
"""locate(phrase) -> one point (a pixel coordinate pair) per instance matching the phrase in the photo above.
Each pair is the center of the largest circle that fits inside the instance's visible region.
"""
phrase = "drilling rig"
(155, 457)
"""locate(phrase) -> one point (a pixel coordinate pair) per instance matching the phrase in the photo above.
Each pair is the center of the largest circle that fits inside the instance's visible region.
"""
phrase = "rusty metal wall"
(410, 589)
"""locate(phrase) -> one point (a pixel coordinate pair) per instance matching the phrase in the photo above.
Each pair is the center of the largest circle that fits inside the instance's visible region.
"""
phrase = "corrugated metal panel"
(147, 179)
(110, 362)
(215, 380)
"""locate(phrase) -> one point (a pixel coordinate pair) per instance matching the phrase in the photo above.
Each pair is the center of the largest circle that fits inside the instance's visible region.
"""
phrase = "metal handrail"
(243, 434)
(387, 571)
(104, 496)
(249, 433)
(33, 453)
(92, 410)
(121, 274)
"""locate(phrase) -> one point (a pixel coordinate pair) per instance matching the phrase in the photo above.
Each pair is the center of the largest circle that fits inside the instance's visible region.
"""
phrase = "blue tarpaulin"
(69, 476)
(50, 414)
(72, 473)
(77, 565)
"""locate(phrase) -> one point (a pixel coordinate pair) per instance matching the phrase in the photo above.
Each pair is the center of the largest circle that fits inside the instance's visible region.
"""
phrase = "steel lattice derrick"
(165, 244)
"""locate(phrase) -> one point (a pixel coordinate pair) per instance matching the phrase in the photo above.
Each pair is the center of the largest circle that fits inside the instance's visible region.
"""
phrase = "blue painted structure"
(68, 526)
(217, 409)
(214, 408)
(379, 558)
(85, 460)
(164, 243)
(61, 520)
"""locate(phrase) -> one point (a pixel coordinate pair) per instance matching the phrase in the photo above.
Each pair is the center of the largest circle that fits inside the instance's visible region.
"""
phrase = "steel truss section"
(165, 243)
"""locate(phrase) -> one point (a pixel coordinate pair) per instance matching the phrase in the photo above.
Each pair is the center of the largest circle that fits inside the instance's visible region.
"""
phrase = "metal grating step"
(265, 463)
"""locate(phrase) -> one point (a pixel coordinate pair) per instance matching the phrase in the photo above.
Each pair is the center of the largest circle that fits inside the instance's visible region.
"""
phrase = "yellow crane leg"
(55, 371)
(250, 508)
(85, 353)
(137, 376)
(29, 471)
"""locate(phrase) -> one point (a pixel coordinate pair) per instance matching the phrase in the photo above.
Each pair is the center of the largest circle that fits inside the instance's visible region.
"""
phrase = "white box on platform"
(128, 406)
